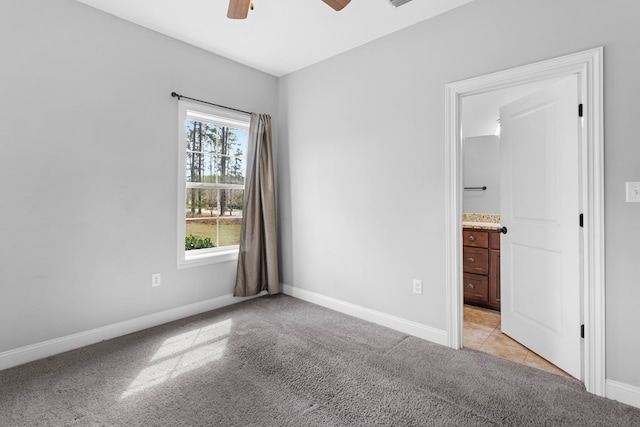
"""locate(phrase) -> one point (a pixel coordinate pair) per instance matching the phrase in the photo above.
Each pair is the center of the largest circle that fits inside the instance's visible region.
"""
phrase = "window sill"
(207, 258)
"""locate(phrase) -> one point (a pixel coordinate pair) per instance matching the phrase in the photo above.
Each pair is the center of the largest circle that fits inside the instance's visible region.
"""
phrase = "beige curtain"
(258, 257)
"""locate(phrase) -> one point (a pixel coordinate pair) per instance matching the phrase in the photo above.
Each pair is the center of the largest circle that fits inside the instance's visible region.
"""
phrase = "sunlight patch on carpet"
(181, 354)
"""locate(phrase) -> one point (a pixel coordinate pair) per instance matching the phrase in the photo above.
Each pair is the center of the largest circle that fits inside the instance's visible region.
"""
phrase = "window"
(212, 169)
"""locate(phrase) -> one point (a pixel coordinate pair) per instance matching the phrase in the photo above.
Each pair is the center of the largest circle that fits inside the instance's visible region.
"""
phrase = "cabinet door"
(495, 240)
(494, 278)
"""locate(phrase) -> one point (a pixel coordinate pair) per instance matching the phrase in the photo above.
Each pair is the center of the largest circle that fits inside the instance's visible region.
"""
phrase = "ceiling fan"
(239, 9)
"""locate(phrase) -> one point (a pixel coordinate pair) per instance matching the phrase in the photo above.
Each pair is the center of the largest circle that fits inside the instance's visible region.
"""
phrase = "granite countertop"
(481, 221)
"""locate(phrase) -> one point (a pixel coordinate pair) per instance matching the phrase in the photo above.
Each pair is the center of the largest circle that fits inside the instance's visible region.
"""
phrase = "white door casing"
(539, 206)
(587, 66)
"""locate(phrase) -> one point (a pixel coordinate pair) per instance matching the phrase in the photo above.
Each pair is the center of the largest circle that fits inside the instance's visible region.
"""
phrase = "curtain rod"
(177, 95)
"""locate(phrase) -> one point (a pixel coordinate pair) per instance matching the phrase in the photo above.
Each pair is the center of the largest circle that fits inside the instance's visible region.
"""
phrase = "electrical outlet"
(155, 279)
(633, 192)
(417, 286)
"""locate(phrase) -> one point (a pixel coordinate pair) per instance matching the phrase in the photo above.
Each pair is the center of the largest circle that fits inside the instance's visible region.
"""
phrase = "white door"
(539, 205)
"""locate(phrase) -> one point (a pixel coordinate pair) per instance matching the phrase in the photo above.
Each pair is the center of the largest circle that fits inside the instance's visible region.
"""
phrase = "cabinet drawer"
(475, 238)
(476, 287)
(475, 260)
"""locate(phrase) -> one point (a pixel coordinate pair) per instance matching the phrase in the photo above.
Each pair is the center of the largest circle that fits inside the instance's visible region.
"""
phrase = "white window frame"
(218, 116)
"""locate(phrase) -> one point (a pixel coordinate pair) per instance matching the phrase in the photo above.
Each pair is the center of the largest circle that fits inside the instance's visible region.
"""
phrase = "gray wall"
(482, 168)
(88, 167)
(88, 161)
(362, 161)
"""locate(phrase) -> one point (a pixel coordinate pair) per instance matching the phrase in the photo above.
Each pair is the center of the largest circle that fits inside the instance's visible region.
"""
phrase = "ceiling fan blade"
(238, 9)
(337, 4)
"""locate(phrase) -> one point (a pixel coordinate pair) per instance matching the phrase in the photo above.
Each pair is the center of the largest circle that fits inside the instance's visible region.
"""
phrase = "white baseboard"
(399, 324)
(48, 348)
(622, 392)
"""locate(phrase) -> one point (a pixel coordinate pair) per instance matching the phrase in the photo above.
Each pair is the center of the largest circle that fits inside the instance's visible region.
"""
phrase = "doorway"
(528, 184)
(587, 67)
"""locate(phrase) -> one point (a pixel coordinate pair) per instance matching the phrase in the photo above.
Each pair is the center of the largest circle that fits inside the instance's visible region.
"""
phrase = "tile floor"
(482, 332)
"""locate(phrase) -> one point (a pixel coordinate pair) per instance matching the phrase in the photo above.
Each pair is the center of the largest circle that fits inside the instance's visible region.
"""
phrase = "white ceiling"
(279, 36)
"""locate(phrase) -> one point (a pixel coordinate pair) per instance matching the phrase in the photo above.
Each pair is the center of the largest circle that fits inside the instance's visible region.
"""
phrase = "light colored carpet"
(278, 361)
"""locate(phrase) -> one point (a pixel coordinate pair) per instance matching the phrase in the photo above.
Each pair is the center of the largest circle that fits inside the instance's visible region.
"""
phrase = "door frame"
(588, 66)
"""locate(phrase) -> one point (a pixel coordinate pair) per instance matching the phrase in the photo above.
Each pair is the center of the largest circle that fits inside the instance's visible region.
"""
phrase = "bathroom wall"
(482, 168)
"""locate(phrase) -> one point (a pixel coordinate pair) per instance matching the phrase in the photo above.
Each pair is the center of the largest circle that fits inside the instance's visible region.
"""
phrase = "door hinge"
(581, 331)
(579, 110)
(581, 220)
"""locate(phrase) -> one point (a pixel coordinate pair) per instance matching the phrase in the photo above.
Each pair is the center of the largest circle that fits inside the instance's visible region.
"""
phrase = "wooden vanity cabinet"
(481, 267)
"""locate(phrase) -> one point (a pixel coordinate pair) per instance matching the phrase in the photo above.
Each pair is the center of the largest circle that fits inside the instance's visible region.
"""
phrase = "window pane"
(230, 216)
(198, 202)
(194, 172)
(201, 234)
(212, 214)
(211, 204)
(215, 154)
(200, 219)
(231, 203)
(229, 233)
